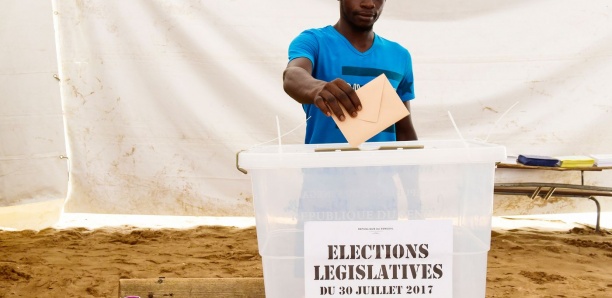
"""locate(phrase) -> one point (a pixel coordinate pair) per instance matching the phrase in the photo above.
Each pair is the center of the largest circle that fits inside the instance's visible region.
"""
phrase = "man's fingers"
(332, 105)
(320, 103)
(346, 96)
(329, 105)
(335, 96)
(350, 93)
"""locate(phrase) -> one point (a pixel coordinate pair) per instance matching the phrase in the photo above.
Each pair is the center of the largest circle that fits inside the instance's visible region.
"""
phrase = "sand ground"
(80, 262)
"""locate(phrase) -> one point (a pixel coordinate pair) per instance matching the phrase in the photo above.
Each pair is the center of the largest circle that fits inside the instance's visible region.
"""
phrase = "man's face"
(361, 14)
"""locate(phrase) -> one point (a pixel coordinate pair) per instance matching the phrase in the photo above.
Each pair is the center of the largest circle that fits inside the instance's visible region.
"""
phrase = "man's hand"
(335, 94)
(327, 96)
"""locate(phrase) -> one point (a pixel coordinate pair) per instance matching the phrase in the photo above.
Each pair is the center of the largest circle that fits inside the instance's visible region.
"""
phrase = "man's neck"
(362, 40)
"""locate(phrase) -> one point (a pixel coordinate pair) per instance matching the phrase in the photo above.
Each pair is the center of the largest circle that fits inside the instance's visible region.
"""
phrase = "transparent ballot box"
(397, 181)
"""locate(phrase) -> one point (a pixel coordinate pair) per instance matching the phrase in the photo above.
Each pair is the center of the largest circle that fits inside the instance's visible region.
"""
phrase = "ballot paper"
(381, 108)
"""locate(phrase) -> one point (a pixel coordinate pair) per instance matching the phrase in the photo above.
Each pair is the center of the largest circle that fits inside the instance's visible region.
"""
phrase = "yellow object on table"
(575, 161)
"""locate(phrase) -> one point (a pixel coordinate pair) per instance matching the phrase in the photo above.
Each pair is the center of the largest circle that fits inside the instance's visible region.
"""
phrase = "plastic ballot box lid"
(370, 154)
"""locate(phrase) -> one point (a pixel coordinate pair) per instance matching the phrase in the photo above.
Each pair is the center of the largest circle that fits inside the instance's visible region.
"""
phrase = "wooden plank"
(557, 186)
(502, 190)
(192, 287)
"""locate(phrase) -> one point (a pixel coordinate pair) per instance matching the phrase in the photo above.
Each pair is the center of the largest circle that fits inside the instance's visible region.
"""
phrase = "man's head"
(361, 14)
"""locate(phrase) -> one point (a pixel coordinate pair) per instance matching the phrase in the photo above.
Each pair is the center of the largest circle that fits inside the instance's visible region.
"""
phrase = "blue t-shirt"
(333, 56)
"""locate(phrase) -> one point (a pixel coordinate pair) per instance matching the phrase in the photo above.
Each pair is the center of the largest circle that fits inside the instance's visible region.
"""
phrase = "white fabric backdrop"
(158, 96)
(32, 174)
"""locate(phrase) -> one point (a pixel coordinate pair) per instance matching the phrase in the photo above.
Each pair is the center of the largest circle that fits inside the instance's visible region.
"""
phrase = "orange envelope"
(381, 107)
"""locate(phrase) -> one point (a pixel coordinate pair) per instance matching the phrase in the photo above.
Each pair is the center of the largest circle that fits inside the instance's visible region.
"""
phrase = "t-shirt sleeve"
(405, 89)
(304, 45)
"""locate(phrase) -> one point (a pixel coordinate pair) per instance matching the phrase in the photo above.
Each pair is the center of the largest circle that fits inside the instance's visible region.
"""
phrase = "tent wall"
(33, 172)
(158, 96)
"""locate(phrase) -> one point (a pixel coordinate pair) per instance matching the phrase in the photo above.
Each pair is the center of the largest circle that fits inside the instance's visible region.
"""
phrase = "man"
(327, 65)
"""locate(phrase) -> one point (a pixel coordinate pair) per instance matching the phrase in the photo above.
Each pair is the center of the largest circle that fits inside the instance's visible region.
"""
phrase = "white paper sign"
(378, 258)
